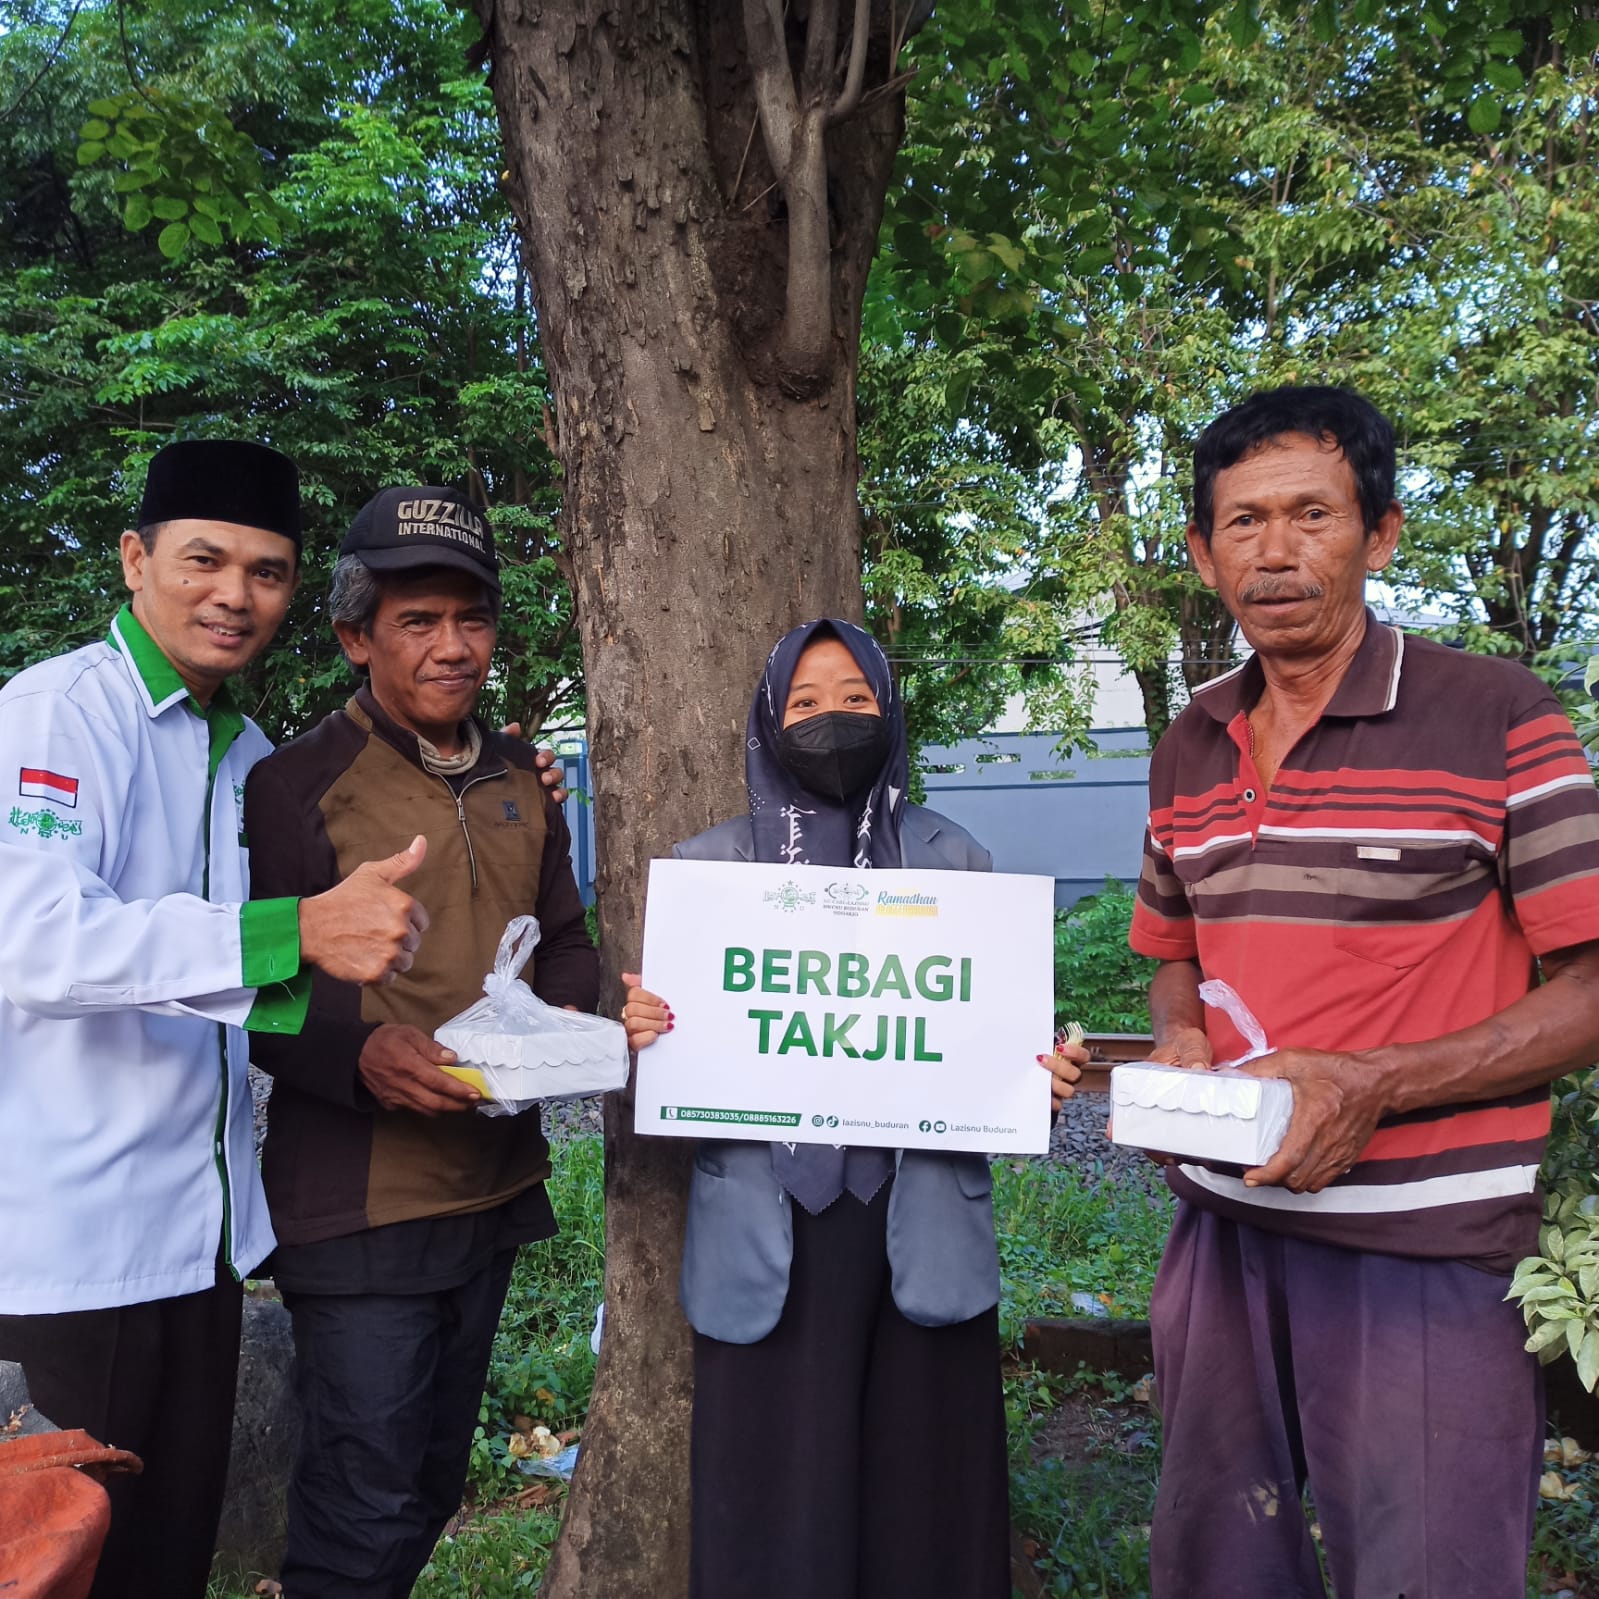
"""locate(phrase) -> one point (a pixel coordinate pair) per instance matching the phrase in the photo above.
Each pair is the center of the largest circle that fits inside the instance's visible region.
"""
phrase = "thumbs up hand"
(367, 929)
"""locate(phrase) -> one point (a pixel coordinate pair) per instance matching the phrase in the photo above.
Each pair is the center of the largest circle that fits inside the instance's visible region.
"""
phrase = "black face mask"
(835, 755)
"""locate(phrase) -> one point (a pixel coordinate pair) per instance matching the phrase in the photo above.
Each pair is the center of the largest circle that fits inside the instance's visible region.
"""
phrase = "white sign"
(825, 1005)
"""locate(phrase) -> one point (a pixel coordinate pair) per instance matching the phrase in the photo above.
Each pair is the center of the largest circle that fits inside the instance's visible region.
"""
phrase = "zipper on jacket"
(220, 1148)
(460, 815)
(219, 1138)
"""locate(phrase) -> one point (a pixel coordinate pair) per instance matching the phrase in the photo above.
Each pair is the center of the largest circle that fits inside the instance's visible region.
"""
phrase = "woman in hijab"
(849, 1430)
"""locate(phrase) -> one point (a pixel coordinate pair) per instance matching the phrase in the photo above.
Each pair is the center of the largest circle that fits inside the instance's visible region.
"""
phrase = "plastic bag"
(518, 1051)
(1223, 996)
(561, 1465)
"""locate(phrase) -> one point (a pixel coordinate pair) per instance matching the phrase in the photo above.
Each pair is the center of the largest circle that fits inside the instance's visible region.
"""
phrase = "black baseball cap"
(405, 529)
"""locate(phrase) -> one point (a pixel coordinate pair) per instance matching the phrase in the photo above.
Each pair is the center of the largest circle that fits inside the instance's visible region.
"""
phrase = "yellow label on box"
(470, 1075)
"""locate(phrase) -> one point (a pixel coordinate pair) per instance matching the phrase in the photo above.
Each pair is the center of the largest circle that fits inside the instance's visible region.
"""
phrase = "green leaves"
(1558, 1288)
(1485, 114)
(176, 152)
(1099, 981)
(302, 241)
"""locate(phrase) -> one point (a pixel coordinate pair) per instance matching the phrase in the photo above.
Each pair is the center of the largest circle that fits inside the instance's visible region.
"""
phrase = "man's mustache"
(1278, 588)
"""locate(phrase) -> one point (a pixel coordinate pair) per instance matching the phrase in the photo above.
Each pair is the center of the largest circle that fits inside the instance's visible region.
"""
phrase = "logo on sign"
(905, 904)
(846, 899)
(789, 897)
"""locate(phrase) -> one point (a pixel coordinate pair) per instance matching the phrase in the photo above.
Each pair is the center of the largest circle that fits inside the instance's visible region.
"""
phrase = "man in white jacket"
(131, 964)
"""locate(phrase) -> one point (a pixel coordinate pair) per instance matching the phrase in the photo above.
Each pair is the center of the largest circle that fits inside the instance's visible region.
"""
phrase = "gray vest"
(740, 1232)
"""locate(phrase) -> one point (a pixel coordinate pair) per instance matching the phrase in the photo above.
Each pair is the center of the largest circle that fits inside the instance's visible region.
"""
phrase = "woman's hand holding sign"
(1065, 1068)
(646, 1016)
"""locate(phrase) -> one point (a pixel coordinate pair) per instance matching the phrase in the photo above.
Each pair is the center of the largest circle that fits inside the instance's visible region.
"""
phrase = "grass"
(542, 1367)
(1063, 1232)
(502, 1553)
(1083, 1501)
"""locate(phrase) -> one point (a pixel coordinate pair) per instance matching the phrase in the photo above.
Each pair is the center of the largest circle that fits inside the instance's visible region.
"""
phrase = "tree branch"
(806, 343)
(856, 76)
(127, 56)
(49, 61)
(776, 103)
(821, 53)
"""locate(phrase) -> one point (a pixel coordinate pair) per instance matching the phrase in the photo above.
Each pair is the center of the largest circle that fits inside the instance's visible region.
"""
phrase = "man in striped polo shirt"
(1390, 849)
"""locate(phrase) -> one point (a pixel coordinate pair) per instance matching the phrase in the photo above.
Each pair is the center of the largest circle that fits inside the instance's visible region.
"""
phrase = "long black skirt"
(850, 1454)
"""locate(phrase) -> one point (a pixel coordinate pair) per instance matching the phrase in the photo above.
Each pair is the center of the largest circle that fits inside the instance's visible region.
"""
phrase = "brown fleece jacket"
(354, 789)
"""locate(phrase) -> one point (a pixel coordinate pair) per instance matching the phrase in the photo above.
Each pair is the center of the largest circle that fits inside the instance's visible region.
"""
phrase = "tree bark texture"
(709, 504)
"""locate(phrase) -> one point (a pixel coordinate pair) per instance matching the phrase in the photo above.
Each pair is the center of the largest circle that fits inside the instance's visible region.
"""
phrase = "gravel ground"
(1078, 1137)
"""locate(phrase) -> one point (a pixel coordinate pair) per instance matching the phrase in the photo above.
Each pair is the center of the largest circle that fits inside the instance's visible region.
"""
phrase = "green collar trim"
(158, 678)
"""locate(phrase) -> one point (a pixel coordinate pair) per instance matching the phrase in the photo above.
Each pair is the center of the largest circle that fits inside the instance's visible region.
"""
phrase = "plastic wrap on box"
(520, 1052)
(1218, 1115)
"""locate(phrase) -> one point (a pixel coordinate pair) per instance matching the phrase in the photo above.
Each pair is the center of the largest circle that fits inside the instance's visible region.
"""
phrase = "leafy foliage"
(1558, 1288)
(1099, 982)
(1128, 218)
(1087, 1518)
(1108, 224)
(1063, 1231)
(1565, 1545)
(383, 336)
(185, 167)
(955, 482)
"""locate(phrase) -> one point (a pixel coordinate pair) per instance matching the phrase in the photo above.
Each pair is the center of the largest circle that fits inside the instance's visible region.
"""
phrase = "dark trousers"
(1399, 1389)
(388, 1387)
(850, 1454)
(156, 1378)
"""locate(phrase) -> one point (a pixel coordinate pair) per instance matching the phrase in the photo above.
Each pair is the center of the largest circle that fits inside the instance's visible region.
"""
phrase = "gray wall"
(1078, 820)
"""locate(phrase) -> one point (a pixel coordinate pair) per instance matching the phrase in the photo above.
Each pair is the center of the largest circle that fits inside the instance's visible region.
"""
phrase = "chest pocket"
(1399, 904)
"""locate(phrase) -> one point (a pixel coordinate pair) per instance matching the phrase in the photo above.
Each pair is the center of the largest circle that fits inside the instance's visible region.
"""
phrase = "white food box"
(517, 1051)
(1220, 1115)
(578, 1055)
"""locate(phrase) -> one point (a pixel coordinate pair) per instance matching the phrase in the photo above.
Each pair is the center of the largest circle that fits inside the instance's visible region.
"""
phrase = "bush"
(1558, 1288)
(1099, 982)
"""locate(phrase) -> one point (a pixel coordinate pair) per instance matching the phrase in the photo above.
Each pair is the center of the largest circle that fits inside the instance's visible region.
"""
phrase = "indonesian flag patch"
(36, 783)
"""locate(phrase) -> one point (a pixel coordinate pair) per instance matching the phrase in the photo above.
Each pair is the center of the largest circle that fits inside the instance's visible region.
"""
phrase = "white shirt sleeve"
(69, 945)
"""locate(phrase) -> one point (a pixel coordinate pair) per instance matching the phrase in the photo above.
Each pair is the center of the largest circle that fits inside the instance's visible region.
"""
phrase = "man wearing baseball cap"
(398, 1216)
(132, 963)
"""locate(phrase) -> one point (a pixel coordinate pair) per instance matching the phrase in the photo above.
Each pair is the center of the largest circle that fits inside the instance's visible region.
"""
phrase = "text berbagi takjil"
(938, 979)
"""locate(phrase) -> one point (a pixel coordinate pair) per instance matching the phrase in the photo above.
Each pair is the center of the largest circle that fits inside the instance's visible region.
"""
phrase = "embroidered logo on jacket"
(45, 823)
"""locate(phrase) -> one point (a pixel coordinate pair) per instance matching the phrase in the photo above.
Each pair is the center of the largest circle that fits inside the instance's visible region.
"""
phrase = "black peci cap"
(402, 530)
(223, 480)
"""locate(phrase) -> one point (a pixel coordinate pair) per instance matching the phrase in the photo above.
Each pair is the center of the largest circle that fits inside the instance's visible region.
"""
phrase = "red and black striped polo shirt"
(1434, 832)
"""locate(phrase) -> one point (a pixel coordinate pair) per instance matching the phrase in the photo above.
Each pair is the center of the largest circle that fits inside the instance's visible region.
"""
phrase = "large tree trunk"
(708, 443)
